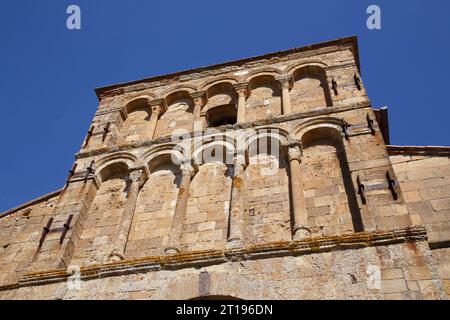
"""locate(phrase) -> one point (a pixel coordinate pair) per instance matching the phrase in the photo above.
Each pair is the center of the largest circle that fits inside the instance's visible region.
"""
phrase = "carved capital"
(187, 170)
(157, 106)
(241, 88)
(139, 176)
(295, 153)
(135, 176)
(285, 82)
(239, 160)
(199, 98)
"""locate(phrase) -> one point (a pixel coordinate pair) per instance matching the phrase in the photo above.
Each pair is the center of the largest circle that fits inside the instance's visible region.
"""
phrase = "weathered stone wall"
(178, 116)
(103, 218)
(206, 223)
(311, 88)
(19, 238)
(405, 270)
(134, 197)
(134, 127)
(267, 200)
(264, 100)
(154, 213)
(326, 195)
(442, 261)
(425, 184)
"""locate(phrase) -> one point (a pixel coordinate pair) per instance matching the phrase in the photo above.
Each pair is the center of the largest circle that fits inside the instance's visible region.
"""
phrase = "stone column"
(235, 239)
(199, 101)
(301, 230)
(137, 179)
(241, 90)
(176, 228)
(286, 83)
(157, 107)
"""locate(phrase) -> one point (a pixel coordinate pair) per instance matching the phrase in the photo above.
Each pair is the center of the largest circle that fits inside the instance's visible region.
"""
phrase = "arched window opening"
(221, 115)
(221, 108)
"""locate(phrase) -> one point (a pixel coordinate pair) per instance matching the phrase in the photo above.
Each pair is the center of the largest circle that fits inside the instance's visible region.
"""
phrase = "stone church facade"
(269, 177)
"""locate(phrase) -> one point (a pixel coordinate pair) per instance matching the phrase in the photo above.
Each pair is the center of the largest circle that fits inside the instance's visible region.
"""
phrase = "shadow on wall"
(328, 183)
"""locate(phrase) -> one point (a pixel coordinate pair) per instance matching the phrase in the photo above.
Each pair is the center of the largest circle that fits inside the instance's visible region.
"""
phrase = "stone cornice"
(437, 151)
(45, 197)
(214, 257)
(246, 125)
(186, 75)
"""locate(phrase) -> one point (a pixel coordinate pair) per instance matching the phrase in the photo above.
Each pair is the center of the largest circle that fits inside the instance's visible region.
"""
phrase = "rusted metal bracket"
(71, 172)
(45, 231)
(345, 127)
(89, 135)
(105, 131)
(357, 82)
(361, 190)
(89, 170)
(334, 86)
(66, 228)
(391, 183)
(370, 124)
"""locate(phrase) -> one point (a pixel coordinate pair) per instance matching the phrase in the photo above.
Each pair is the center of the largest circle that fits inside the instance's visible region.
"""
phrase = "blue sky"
(48, 73)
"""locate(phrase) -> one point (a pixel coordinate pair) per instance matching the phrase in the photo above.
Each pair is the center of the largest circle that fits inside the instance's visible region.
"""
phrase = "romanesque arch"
(212, 82)
(178, 115)
(264, 99)
(221, 107)
(206, 222)
(155, 206)
(138, 115)
(329, 194)
(104, 216)
(122, 158)
(310, 89)
(264, 71)
(266, 185)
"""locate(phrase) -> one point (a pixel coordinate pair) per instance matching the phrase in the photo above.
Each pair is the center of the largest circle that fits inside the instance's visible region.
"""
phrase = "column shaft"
(287, 108)
(137, 179)
(153, 121)
(297, 193)
(241, 107)
(180, 210)
(241, 90)
(235, 239)
(285, 95)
